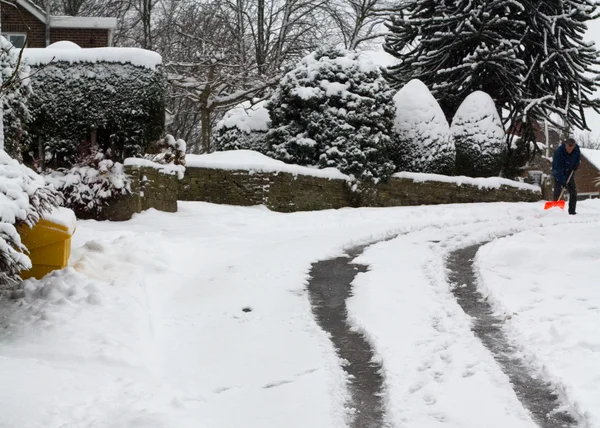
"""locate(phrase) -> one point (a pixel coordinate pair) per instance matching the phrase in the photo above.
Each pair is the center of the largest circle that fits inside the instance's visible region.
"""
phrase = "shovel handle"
(563, 189)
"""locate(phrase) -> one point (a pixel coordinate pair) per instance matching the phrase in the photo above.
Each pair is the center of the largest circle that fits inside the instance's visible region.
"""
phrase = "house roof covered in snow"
(67, 21)
(593, 156)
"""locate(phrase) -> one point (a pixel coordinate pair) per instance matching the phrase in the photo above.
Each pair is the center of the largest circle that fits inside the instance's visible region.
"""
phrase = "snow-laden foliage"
(91, 185)
(422, 142)
(15, 94)
(531, 56)
(479, 137)
(168, 151)
(458, 47)
(24, 198)
(333, 110)
(244, 127)
(123, 103)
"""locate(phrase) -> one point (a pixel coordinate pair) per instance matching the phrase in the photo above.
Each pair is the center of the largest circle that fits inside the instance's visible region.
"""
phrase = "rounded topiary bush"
(422, 142)
(333, 110)
(244, 127)
(479, 137)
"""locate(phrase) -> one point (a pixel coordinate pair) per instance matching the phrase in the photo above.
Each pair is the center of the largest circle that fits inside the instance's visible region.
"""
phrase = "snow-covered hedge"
(478, 135)
(422, 142)
(243, 128)
(90, 186)
(15, 94)
(24, 198)
(333, 110)
(124, 103)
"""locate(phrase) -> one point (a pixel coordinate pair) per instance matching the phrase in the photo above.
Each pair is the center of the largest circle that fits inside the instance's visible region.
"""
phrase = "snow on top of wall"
(134, 56)
(247, 118)
(164, 168)
(593, 156)
(482, 183)
(255, 161)
(64, 217)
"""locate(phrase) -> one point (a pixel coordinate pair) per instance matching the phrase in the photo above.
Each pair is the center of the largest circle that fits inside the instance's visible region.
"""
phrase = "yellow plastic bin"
(49, 243)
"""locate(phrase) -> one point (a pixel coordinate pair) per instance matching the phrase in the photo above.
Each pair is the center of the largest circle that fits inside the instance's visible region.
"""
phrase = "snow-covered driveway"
(202, 319)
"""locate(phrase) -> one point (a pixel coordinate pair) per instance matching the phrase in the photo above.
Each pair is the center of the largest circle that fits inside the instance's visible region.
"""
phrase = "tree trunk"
(206, 125)
(261, 48)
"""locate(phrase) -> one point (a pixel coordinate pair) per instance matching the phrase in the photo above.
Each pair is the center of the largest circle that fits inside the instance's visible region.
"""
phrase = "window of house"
(17, 39)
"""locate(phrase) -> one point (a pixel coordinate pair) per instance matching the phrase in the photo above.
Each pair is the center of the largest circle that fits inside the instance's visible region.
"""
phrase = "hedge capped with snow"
(24, 198)
(333, 110)
(123, 102)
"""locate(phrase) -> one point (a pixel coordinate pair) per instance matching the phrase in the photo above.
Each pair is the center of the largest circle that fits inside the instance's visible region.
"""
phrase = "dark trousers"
(572, 194)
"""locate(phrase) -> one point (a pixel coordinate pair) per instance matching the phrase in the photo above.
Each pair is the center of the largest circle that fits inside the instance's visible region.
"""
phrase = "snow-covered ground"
(202, 319)
(545, 282)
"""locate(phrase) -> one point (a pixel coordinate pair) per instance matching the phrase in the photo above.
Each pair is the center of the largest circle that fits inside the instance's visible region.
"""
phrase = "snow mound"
(135, 56)
(255, 161)
(247, 118)
(63, 44)
(64, 217)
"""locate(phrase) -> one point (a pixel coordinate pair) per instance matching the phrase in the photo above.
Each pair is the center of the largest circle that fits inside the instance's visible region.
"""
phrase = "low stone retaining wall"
(286, 192)
(150, 188)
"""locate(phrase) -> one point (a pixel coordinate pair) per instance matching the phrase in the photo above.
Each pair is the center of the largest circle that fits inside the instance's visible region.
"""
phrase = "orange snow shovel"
(560, 203)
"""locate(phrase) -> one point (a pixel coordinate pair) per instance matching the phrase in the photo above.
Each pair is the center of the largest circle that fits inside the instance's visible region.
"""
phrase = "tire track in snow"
(536, 394)
(329, 287)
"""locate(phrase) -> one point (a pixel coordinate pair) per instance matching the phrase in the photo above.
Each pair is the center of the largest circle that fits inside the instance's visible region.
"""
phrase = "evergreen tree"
(333, 110)
(528, 55)
(15, 94)
(457, 47)
(479, 137)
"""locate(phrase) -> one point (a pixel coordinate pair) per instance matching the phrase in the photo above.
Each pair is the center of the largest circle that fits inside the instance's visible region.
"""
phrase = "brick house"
(24, 20)
(588, 174)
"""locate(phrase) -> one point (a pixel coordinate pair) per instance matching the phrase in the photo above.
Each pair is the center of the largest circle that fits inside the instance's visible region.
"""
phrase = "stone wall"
(150, 188)
(286, 192)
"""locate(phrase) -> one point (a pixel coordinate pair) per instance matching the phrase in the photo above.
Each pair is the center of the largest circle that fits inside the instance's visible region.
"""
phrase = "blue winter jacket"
(563, 163)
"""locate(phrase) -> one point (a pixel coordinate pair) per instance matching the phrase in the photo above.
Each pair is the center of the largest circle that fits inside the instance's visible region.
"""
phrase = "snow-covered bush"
(123, 103)
(15, 94)
(478, 135)
(167, 151)
(422, 142)
(91, 185)
(333, 110)
(244, 127)
(24, 198)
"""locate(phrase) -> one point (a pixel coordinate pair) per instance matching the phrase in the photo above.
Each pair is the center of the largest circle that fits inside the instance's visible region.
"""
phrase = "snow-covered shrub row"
(122, 102)
(244, 127)
(478, 134)
(333, 110)
(422, 142)
(90, 186)
(24, 198)
(16, 92)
